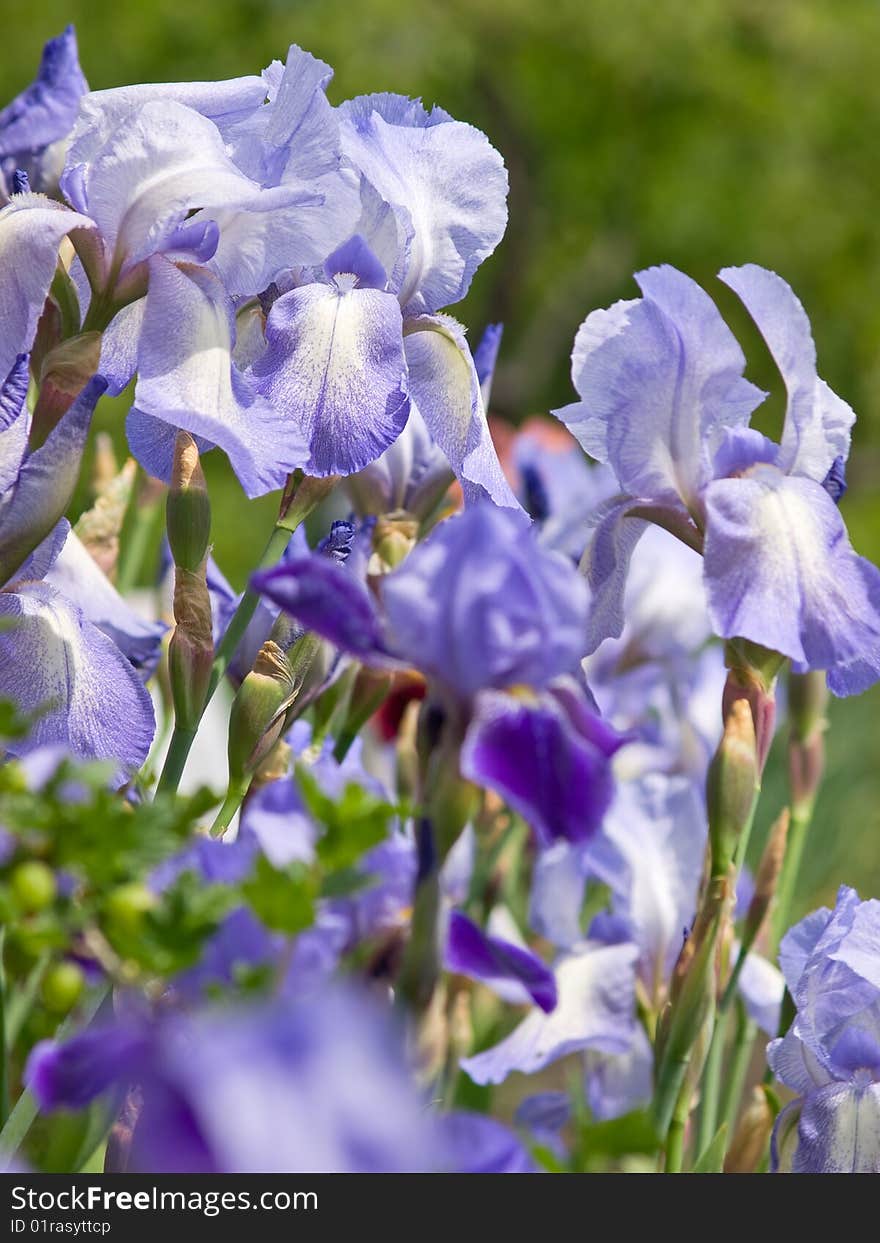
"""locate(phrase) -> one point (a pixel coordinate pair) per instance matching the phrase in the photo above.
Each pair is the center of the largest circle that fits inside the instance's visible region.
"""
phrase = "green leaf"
(632, 1134)
(711, 1160)
(283, 898)
(352, 824)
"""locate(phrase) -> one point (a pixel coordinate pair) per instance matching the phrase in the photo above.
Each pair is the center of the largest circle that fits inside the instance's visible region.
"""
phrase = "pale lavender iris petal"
(761, 987)
(606, 564)
(448, 179)
(559, 880)
(486, 356)
(76, 575)
(13, 421)
(283, 227)
(839, 1131)
(325, 598)
(532, 754)
(659, 378)
(88, 696)
(650, 853)
(31, 229)
(119, 347)
(186, 378)
(817, 421)
(295, 135)
(31, 507)
(618, 1083)
(596, 990)
(471, 952)
(45, 111)
(443, 384)
(157, 164)
(335, 368)
(781, 572)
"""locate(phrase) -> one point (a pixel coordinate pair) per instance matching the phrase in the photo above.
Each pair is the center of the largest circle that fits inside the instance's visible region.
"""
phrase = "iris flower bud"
(731, 785)
(188, 510)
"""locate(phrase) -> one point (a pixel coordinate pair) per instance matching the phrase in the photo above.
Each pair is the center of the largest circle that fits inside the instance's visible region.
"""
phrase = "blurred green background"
(701, 134)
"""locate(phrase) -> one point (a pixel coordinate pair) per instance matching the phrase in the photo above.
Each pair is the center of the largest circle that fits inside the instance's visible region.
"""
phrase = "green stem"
(182, 739)
(139, 533)
(421, 962)
(675, 1135)
(20, 1003)
(26, 1107)
(799, 824)
(234, 799)
(740, 1056)
(711, 1090)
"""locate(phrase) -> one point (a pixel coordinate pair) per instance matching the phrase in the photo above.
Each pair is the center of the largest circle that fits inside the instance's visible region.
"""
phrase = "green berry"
(127, 906)
(62, 987)
(33, 886)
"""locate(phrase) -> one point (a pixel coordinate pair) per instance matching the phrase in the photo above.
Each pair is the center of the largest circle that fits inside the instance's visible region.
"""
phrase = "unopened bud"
(807, 701)
(756, 683)
(731, 785)
(302, 494)
(191, 650)
(65, 372)
(259, 710)
(187, 509)
(750, 1141)
(767, 878)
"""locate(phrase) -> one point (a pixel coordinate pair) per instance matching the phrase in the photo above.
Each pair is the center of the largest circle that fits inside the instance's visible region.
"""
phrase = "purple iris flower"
(34, 125)
(350, 354)
(200, 195)
(61, 661)
(501, 962)
(665, 403)
(317, 1088)
(831, 1054)
(649, 852)
(497, 624)
(32, 228)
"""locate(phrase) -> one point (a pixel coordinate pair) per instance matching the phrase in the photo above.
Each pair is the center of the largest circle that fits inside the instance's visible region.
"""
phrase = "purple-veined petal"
(449, 180)
(817, 421)
(325, 598)
(780, 571)
(30, 509)
(186, 378)
(472, 952)
(839, 1131)
(530, 752)
(31, 229)
(54, 662)
(78, 578)
(45, 111)
(444, 386)
(659, 378)
(13, 421)
(335, 367)
(595, 1009)
(151, 441)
